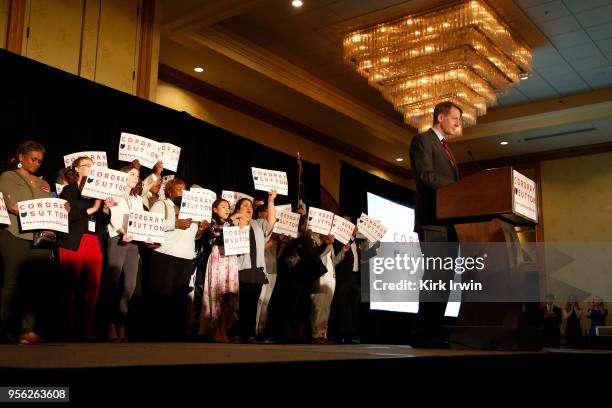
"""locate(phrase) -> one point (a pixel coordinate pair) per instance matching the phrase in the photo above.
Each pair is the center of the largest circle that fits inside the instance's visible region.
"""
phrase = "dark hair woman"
(21, 262)
(80, 253)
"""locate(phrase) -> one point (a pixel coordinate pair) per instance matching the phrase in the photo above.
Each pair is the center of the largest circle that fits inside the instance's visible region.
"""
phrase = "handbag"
(44, 240)
(253, 275)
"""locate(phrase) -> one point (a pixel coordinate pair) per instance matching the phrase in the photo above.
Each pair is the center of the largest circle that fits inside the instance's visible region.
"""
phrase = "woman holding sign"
(80, 252)
(252, 266)
(123, 255)
(21, 262)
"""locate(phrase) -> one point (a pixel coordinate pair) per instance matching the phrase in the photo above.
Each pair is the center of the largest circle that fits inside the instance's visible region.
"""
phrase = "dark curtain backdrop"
(356, 183)
(67, 114)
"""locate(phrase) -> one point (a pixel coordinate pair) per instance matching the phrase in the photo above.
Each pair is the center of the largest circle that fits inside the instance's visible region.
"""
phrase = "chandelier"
(462, 53)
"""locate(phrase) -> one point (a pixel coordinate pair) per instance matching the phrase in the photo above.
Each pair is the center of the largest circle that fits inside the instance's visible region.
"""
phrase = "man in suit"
(434, 166)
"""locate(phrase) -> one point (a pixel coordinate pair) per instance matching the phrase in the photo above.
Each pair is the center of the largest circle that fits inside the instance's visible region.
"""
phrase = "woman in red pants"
(80, 253)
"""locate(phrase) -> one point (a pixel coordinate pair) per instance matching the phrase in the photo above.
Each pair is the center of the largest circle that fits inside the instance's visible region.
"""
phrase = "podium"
(485, 208)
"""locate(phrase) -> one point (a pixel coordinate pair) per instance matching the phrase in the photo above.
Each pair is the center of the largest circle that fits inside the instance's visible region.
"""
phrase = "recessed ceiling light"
(297, 3)
(198, 69)
(399, 159)
(503, 143)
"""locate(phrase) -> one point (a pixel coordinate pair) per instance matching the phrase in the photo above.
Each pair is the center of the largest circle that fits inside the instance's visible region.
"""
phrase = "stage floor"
(98, 355)
(150, 371)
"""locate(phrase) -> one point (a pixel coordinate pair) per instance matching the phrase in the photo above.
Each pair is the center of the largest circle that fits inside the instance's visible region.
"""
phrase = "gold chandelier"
(463, 53)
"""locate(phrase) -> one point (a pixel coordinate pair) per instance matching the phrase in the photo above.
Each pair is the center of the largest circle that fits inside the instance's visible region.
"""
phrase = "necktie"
(448, 153)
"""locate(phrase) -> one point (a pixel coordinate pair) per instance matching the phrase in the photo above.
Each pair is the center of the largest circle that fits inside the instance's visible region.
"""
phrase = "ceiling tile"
(351, 8)
(536, 88)
(605, 46)
(530, 3)
(514, 96)
(576, 6)
(548, 11)
(600, 32)
(546, 56)
(595, 17)
(597, 61)
(598, 77)
(559, 26)
(580, 52)
(572, 39)
(568, 84)
(562, 68)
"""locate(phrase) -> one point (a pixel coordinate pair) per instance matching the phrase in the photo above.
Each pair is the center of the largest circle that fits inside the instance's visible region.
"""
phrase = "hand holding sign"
(268, 180)
(197, 204)
(373, 230)
(103, 183)
(4, 217)
(43, 214)
(287, 223)
(236, 240)
(320, 221)
(137, 147)
(342, 229)
(145, 226)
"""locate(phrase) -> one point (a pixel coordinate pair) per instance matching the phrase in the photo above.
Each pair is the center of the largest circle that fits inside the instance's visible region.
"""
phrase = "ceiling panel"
(351, 8)
(600, 32)
(570, 83)
(596, 61)
(572, 39)
(598, 77)
(577, 6)
(547, 11)
(595, 17)
(580, 52)
(546, 56)
(513, 97)
(559, 26)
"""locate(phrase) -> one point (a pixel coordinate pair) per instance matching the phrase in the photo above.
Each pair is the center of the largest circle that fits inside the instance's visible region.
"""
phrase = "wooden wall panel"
(4, 16)
(118, 41)
(53, 33)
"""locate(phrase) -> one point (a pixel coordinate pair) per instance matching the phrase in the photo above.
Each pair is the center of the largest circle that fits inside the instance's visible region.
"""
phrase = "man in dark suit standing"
(434, 166)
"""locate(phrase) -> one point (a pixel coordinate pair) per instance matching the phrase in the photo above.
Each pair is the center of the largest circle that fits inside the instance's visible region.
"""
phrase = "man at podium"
(434, 166)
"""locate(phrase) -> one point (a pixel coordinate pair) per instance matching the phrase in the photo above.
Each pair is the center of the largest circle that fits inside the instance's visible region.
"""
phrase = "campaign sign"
(525, 200)
(169, 155)
(233, 196)
(197, 204)
(146, 226)
(59, 188)
(287, 223)
(4, 217)
(320, 221)
(43, 214)
(133, 147)
(165, 179)
(370, 228)
(283, 207)
(98, 158)
(342, 229)
(104, 182)
(267, 180)
(236, 240)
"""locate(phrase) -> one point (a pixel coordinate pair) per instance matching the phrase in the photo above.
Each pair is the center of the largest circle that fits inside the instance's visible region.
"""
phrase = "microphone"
(478, 166)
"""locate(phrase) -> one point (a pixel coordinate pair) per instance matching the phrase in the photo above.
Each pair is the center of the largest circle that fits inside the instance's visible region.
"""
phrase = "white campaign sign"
(236, 240)
(283, 207)
(320, 221)
(287, 223)
(266, 180)
(104, 182)
(233, 196)
(4, 216)
(370, 228)
(133, 147)
(342, 229)
(197, 204)
(146, 226)
(169, 155)
(43, 214)
(98, 158)
(59, 188)
(525, 200)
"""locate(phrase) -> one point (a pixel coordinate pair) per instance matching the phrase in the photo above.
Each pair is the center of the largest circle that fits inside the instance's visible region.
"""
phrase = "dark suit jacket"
(78, 220)
(432, 170)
